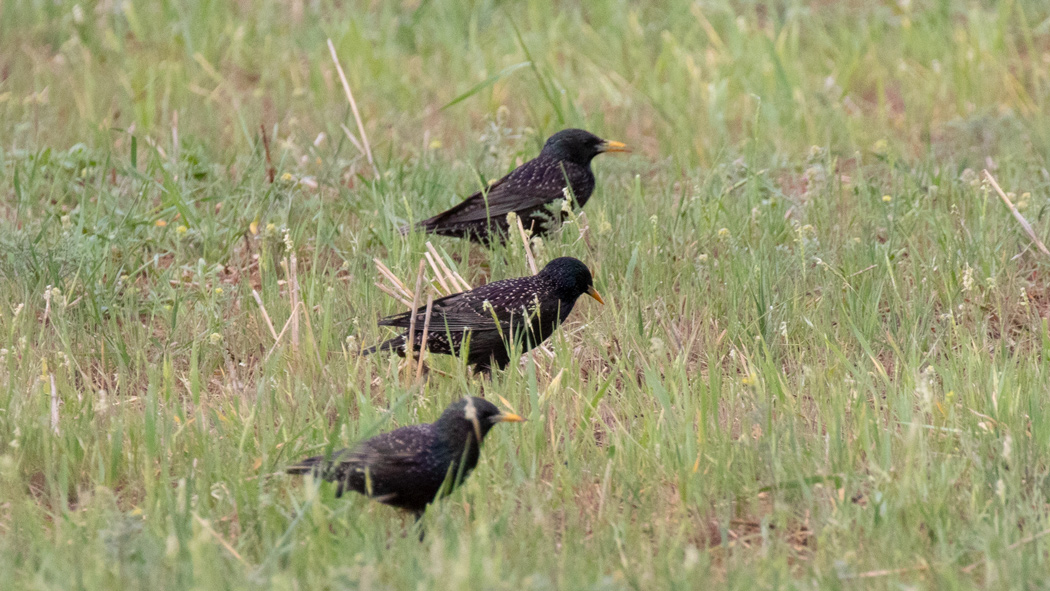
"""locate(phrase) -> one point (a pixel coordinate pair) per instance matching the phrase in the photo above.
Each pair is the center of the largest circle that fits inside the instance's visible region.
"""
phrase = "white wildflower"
(967, 279)
(537, 247)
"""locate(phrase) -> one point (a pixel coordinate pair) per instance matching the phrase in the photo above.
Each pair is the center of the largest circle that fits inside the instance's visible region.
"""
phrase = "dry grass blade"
(293, 295)
(154, 145)
(409, 349)
(266, 317)
(507, 403)
(353, 138)
(1025, 540)
(393, 294)
(525, 243)
(1017, 214)
(385, 271)
(438, 273)
(886, 572)
(426, 333)
(457, 282)
(47, 304)
(271, 172)
(207, 527)
(353, 107)
(463, 285)
(277, 341)
(864, 270)
(585, 226)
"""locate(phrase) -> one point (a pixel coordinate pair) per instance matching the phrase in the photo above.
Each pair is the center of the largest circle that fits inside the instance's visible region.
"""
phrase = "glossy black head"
(472, 416)
(579, 146)
(571, 279)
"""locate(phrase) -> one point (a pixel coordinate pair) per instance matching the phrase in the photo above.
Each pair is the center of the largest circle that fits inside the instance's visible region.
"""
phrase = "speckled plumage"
(410, 467)
(528, 191)
(484, 321)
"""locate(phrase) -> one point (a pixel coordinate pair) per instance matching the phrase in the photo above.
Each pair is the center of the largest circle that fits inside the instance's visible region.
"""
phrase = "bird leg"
(483, 369)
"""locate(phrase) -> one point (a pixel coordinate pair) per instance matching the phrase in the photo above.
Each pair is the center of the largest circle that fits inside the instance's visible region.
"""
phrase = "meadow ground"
(823, 363)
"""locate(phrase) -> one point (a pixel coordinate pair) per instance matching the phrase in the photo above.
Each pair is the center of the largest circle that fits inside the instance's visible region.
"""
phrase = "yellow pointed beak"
(594, 294)
(611, 146)
(509, 417)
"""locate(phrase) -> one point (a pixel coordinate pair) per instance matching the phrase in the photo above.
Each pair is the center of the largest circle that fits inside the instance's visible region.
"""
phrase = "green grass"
(825, 351)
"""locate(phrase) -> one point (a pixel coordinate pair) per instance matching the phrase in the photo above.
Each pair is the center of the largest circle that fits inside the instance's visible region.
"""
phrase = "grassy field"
(824, 361)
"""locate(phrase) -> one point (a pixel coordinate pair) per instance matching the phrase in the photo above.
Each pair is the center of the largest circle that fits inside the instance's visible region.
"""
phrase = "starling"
(529, 190)
(409, 467)
(487, 320)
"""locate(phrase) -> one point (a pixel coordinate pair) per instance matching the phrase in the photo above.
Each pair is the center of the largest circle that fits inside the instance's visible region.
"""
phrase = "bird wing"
(528, 186)
(398, 449)
(465, 311)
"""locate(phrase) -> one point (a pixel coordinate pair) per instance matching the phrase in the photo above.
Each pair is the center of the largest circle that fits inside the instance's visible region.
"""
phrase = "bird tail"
(328, 468)
(308, 466)
(389, 345)
(432, 224)
(425, 225)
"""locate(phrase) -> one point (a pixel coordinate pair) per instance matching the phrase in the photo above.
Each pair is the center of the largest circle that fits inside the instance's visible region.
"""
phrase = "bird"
(563, 168)
(412, 466)
(485, 321)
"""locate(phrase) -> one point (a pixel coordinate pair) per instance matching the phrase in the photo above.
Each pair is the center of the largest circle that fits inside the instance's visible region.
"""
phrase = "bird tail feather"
(424, 225)
(307, 466)
(388, 345)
